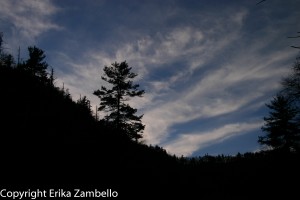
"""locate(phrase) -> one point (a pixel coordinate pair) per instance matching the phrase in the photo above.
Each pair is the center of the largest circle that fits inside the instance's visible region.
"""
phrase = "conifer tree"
(281, 125)
(35, 63)
(113, 100)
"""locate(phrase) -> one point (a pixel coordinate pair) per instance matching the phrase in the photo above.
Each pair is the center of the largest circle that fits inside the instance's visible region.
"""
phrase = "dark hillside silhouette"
(48, 140)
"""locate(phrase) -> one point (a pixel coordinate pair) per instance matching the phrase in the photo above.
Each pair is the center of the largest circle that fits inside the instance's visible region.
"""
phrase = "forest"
(49, 140)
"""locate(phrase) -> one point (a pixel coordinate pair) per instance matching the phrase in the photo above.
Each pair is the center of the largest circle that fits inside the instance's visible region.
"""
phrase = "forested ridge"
(50, 140)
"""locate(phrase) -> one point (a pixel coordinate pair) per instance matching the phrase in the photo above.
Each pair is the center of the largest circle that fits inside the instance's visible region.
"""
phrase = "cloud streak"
(27, 20)
(188, 143)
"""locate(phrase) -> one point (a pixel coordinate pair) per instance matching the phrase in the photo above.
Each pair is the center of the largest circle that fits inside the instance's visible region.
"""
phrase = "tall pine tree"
(36, 64)
(113, 100)
(281, 125)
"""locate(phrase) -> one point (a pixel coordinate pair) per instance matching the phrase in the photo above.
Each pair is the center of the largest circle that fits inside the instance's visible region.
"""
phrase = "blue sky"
(208, 67)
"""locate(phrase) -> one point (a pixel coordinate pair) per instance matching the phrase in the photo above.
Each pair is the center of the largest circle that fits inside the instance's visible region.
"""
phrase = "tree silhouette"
(6, 60)
(1, 42)
(281, 126)
(291, 84)
(52, 78)
(85, 104)
(121, 115)
(260, 2)
(35, 63)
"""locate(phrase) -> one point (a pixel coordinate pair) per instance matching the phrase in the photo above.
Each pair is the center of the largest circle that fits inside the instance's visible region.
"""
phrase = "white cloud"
(28, 19)
(186, 144)
(160, 119)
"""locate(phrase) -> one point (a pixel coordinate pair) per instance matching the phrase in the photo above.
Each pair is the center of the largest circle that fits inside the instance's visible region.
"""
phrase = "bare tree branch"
(295, 47)
(260, 2)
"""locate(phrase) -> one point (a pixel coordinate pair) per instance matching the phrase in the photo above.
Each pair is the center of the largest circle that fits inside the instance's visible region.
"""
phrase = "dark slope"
(49, 141)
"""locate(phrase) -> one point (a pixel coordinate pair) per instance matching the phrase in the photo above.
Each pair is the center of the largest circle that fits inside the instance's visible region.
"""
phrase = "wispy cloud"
(28, 19)
(186, 144)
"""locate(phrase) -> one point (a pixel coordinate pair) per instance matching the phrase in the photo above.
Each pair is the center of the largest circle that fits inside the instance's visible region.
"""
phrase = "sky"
(208, 67)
